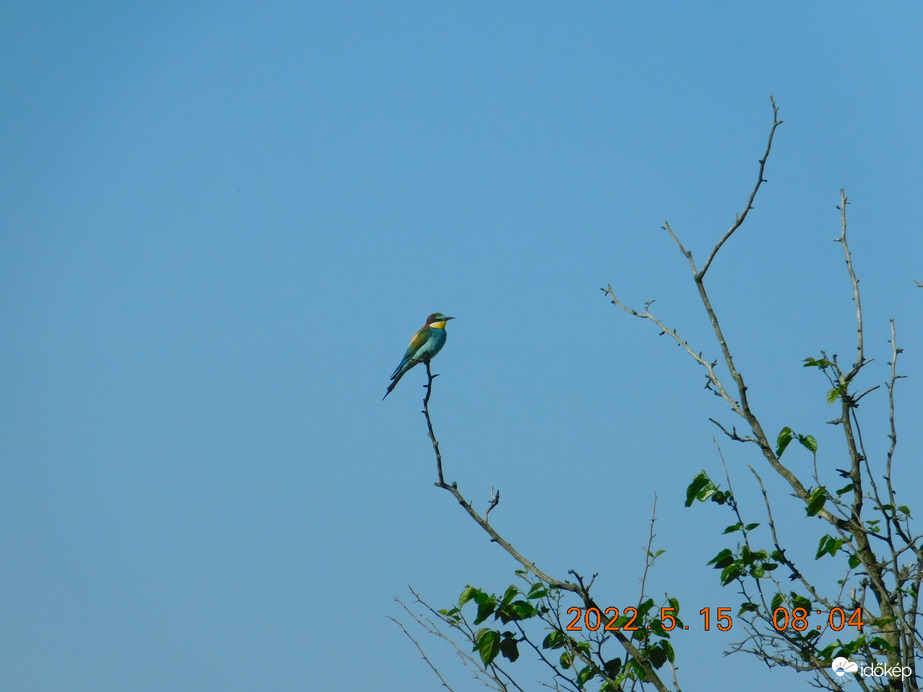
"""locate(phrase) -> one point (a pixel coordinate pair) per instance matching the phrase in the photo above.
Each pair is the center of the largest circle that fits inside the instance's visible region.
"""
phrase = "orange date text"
(612, 620)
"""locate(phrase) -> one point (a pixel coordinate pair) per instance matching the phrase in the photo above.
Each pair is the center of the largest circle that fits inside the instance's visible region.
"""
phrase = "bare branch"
(420, 648)
(648, 553)
(860, 348)
(581, 590)
(429, 424)
(494, 501)
(895, 352)
(732, 434)
(686, 253)
(712, 376)
(756, 188)
(795, 573)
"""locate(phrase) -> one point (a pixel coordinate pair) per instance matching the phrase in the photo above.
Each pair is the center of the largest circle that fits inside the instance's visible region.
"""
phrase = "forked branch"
(580, 589)
(756, 188)
(860, 348)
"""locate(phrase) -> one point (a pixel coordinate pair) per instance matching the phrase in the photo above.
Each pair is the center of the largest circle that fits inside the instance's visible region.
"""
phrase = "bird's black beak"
(448, 318)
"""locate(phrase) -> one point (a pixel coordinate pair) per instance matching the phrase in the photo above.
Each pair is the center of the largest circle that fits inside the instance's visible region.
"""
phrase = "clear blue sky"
(220, 223)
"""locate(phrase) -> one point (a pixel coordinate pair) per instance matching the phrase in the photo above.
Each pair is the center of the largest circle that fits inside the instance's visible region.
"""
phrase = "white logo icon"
(841, 666)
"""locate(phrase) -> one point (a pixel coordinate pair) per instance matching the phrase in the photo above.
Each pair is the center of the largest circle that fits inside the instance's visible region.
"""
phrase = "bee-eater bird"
(425, 344)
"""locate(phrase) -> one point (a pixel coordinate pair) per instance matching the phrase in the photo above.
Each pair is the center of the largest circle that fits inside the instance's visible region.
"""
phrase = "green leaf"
(853, 561)
(730, 573)
(554, 640)
(485, 610)
(905, 509)
(808, 442)
(482, 597)
(656, 655)
(645, 608)
(523, 609)
(880, 644)
(668, 650)
(817, 363)
(487, 643)
(750, 527)
(747, 556)
(468, 594)
(733, 527)
(717, 496)
(699, 489)
(826, 654)
(800, 602)
(585, 675)
(506, 614)
(810, 635)
(833, 395)
(816, 500)
(856, 645)
(657, 628)
(537, 591)
(635, 669)
(845, 489)
(510, 594)
(509, 647)
(612, 667)
(828, 546)
(785, 436)
(776, 602)
(722, 559)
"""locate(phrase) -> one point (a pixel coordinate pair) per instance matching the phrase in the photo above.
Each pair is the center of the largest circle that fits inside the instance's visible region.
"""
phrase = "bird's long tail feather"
(398, 374)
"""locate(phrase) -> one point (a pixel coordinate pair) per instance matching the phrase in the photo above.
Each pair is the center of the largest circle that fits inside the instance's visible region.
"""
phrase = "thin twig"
(712, 376)
(756, 188)
(648, 554)
(429, 424)
(860, 339)
(795, 573)
(420, 649)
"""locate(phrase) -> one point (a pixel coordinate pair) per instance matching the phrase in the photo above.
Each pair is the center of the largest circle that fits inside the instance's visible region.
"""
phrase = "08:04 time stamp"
(782, 619)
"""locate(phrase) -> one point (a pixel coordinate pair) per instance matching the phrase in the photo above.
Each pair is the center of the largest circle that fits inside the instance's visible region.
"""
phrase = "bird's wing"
(416, 343)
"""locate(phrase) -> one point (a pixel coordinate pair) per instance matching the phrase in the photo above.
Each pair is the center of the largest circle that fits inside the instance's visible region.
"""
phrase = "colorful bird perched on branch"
(425, 344)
